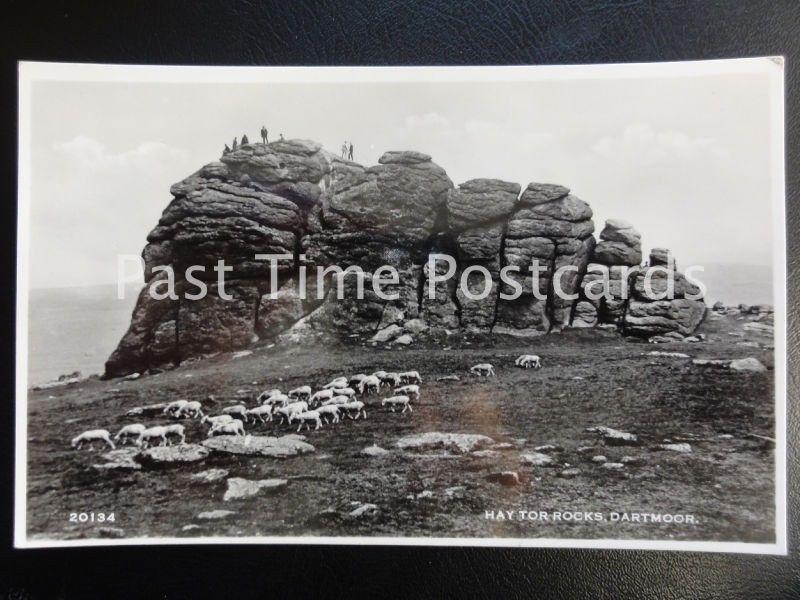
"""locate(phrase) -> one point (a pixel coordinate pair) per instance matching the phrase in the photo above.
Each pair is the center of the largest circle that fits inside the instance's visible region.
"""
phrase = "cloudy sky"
(685, 159)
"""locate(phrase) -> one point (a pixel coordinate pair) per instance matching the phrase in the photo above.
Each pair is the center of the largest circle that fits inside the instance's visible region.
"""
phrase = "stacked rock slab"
(555, 229)
(478, 212)
(615, 261)
(655, 310)
(386, 215)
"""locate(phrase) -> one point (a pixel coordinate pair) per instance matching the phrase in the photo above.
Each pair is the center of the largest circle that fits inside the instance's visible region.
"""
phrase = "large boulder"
(293, 198)
(663, 301)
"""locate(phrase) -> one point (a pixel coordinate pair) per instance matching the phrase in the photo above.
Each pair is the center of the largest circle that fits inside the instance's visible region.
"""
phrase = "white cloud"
(91, 153)
(640, 144)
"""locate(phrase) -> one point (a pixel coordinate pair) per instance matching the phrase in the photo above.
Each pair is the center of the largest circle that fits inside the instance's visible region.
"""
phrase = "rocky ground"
(694, 447)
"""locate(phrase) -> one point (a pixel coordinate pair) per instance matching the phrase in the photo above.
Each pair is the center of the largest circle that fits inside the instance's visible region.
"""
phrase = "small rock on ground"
(239, 488)
(213, 515)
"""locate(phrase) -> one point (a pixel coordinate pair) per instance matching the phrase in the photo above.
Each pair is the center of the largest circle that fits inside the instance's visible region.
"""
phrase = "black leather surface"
(383, 33)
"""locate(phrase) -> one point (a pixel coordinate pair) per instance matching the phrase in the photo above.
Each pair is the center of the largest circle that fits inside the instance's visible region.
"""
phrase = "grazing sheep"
(395, 401)
(130, 433)
(483, 370)
(379, 374)
(285, 412)
(302, 392)
(353, 409)
(410, 377)
(336, 400)
(159, 432)
(90, 437)
(263, 413)
(369, 384)
(408, 390)
(527, 361)
(234, 427)
(173, 407)
(176, 430)
(390, 380)
(336, 383)
(192, 410)
(320, 396)
(355, 380)
(330, 410)
(238, 411)
(349, 392)
(264, 396)
(217, 420)
(277, 400)
(306, 417)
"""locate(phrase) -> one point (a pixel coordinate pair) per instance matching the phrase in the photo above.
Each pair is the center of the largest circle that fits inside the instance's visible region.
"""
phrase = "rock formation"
(293, 198)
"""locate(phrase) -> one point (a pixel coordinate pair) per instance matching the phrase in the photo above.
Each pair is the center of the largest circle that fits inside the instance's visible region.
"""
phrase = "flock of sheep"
(330, 404)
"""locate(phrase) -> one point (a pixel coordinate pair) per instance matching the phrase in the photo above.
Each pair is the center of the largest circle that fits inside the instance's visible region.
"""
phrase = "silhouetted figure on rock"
(281, 137)
(350, 153)
(245, 140)
(235, 145)
(264, 135)
(226, 150)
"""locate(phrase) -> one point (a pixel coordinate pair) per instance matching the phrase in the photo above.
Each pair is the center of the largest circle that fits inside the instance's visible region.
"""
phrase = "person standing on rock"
(245, 140)
(344, 149)
(281, 137)
(235, 144)
(226, 150)
(350, 153)
(264, 135)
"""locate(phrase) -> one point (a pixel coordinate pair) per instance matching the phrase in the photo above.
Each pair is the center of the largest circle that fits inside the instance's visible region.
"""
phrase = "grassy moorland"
(589, 378)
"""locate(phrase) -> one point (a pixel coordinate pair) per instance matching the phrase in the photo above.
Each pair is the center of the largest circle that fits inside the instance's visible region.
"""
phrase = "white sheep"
(331, 410)
(408, 390)
(483, 370)
(410, 377)
(277, 400)
(217, 420)
(306, 417)
(173, 407)
(159, 432)
(263, 396)
(192, 410)
(353, 409)
(349, 392)
(527, 361)
(234, 427)
(263, 413)
(390, 380)
(302, 392)
(369, 384)
(336, 400)
(130, 433)
(378, 374)
(285, 412)
(320, 396)
(355, 380)
(236, 411)
(396, 401)
(336, 383)
(90, 437)
(176, 430)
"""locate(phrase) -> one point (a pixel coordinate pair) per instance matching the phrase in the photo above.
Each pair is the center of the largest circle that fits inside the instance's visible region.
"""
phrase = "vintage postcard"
(486, 306)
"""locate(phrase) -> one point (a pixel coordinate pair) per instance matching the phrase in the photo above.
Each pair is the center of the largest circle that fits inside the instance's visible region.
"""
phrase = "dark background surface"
(359, 32)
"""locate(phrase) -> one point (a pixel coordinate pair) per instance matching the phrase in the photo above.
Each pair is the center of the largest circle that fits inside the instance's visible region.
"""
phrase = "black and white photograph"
(452, 306)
